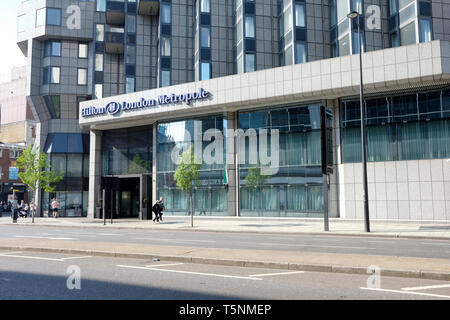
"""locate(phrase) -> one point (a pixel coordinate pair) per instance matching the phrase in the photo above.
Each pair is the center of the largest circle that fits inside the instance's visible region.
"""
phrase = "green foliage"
(255, 178)
(36, 172)
(187, 174)
(138, 165)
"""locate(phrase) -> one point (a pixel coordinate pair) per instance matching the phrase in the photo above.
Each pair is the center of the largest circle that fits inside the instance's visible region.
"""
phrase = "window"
(131, 23)
(288, 58)
(356, 5)
(131, 55)
(165, 47)
(408, 34)
(249, 26)
(40, 17)
(98, 91)
(129, 85)
(21, 23)
(404, 3)
(344, 46)
(83, 50)
(98, 62)
(166, 14)
(249, 62)
(205, 37)
(54, 106)
(82, 77)
(205, 6)
(53, 17)
(74, 165)
(52, 48)
(100, 32)
(205, 71)
(425, 30)
(101, 5)
(51, 75)
(165, 78)
(287, 21)
(342, 9)
(300, 53)
(300, 15)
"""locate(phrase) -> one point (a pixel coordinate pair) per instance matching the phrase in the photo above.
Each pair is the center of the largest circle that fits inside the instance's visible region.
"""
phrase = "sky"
(10, 54)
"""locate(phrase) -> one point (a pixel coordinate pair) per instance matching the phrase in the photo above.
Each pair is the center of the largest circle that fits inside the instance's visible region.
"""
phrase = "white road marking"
(427, 287)
(407, 292)
(174, 240)
(163, 265)
(10, 252)
(72, 258)
(33, 237)
(190, 272)
(41, 258)
(378, 241)
(436, 244)
(50, 238)
(30, 257)
(276, 274)
(313, 245)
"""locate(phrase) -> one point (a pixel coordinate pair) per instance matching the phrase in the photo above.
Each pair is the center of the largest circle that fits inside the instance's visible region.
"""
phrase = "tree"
(36, 172)
(255, 179)
(138, 165)
(187, 176)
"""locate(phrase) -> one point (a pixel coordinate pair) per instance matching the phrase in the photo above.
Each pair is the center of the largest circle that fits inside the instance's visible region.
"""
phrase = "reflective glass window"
(205, 37)
(249, 62)
(40, 17)
(300, 15)
(408, 34)
(300, 53)
(165, 47)
(425, 30)
(250, 26)
(166, 14)
(205, 70)
(53, 16)
(205, 6)
(82, 76)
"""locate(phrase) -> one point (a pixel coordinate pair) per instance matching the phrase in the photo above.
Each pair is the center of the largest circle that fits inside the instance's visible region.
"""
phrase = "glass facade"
(127, 151)
(68, 155)
(344, 31)
(409, 22)
(295, 190)
(210, 198)
(401, 127)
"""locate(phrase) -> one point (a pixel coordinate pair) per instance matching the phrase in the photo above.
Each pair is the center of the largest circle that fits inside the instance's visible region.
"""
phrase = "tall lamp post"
(355, 15)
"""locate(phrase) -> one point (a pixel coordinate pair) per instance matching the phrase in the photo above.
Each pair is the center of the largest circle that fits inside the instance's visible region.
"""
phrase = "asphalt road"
(45, 276)
(419, 248)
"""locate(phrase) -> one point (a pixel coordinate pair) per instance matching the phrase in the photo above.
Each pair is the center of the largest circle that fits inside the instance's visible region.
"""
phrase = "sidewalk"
(337, 226)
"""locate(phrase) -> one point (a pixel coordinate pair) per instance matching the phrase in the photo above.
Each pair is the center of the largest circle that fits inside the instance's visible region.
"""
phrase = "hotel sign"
(117, 108)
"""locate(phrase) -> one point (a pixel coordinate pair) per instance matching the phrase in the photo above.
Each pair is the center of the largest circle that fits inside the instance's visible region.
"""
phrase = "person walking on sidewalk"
(32, 208)
(54, 206)
(157, 208)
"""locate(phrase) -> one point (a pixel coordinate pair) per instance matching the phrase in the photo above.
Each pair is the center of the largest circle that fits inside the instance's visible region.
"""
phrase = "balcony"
(114, 41)
(148, 7)
(115, 13)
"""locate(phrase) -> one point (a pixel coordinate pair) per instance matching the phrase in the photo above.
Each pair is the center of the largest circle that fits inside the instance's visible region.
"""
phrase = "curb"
(188, 229)
(420, 274)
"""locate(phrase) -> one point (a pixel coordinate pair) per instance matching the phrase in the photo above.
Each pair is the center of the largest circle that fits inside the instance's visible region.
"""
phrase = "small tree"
(187, 176)
(36, 172)
(255, 179)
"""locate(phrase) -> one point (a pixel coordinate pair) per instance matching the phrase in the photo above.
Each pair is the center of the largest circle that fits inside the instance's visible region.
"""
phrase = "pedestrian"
(26, 209)
(158, 208)
(32, 208)
(161, 207)
(54, 206)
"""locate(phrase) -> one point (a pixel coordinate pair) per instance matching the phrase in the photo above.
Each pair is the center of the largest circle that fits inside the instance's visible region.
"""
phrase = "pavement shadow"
(272, 225)
(30, 286)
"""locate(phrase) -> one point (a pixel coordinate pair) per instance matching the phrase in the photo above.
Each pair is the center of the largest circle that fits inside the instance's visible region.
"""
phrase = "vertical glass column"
(409, 22)
(130, 48)
(203, 41)
(238, 52)
(344, 31)
(99, 48)
(292, 26)
(165, 43)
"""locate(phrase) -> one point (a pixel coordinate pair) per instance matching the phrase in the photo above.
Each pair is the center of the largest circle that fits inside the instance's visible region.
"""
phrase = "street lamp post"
(352, 15)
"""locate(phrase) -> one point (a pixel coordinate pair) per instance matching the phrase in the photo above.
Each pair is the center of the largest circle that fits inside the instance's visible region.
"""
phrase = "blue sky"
(10, 55)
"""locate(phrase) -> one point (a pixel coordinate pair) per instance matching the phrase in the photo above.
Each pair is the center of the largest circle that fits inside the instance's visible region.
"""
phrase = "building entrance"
(127, 196)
